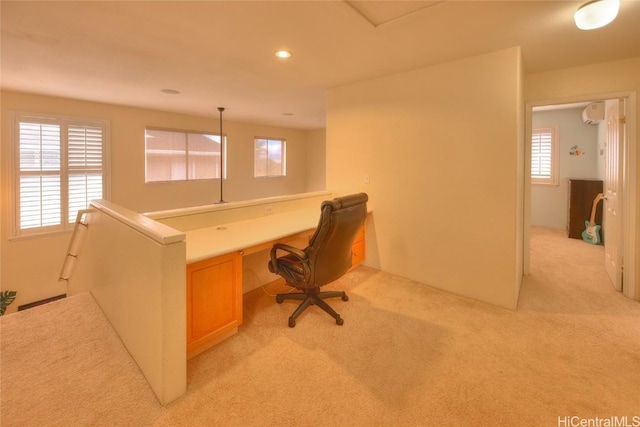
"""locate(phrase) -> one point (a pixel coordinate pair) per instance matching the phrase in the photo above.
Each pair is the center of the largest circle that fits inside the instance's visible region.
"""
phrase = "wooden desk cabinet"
(214, 301)
(214, 293)
(357, 250)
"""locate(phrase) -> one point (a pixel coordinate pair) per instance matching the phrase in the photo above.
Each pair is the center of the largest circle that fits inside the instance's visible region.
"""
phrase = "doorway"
(587, 161)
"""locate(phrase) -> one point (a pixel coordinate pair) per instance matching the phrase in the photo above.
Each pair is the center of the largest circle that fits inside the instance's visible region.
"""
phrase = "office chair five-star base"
(313, 297)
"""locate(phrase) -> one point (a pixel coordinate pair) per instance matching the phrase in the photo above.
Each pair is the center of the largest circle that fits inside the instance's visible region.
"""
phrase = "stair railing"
(76, 239)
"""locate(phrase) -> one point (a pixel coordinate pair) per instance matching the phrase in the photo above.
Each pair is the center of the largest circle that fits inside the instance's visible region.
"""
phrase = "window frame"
(65, 170)
(553, 179)
(283, 157)
(224, 152)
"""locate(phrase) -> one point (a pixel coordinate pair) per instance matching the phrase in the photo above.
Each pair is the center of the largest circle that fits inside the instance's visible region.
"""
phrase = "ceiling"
(220, 53)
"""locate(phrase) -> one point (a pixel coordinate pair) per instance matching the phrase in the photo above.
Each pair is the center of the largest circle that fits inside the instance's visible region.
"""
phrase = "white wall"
(31, 266)
(549, 203)
(443, 149)
(316, 159)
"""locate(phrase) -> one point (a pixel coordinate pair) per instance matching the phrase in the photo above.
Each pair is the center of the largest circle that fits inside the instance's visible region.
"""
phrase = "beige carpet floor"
(407, 355)
(63, 364)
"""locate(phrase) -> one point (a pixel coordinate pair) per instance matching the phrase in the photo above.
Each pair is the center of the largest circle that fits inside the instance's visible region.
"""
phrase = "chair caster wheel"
(292, 323)
(339, 321)
(345, 297)
(279, 299)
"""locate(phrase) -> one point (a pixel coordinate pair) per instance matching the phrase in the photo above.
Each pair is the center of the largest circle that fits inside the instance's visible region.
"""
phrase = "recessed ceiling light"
(170, 91)
(283, 54)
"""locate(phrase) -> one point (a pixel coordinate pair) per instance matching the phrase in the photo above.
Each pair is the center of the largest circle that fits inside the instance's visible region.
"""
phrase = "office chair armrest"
(298, 253)
(293, 267)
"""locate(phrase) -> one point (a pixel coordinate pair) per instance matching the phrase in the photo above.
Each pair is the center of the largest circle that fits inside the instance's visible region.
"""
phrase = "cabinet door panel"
(214, 299)
(212, 293)
(357, 253)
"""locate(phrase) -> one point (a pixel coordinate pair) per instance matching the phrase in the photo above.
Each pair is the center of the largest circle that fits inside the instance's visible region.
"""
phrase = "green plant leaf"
(6, 298)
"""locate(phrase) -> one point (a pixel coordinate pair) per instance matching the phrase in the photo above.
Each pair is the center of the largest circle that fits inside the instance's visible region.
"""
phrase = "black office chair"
(327, 257)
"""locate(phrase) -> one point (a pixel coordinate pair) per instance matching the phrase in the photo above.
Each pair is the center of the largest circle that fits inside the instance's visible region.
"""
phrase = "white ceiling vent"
(593, 113)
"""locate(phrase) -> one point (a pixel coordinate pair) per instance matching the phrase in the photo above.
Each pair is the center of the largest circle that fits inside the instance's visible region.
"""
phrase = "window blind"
(40, 174)
(544, 156)
(541, 151)
(60, 170)
(85, 167)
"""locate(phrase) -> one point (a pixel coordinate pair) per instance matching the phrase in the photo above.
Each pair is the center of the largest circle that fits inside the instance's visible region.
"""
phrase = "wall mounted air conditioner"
(594, 113)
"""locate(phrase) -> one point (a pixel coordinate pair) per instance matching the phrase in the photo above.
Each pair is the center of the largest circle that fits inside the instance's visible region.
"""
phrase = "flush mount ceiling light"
(282, 54)
(596, 14)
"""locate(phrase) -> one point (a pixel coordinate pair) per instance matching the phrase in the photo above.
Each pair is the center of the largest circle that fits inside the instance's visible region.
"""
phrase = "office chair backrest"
(329, 250)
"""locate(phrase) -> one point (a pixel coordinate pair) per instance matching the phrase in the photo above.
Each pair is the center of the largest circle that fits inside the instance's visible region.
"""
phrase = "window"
(269, 158)
(544, 156)
(182, 156)
(60, 167)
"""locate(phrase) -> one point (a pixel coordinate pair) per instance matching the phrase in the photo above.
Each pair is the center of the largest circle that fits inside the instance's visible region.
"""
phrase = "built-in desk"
(214, 269)
(135, 266)
(250, 235)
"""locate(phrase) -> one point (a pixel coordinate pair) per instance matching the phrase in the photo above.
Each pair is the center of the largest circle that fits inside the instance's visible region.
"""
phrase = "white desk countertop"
(221, 239)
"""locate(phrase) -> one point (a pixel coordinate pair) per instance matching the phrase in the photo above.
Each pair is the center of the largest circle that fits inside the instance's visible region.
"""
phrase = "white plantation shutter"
(60, 169)
(83, 188)
(544, 156)
(39, 184)
(39, 201)
(85, 166)
(541, 154)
